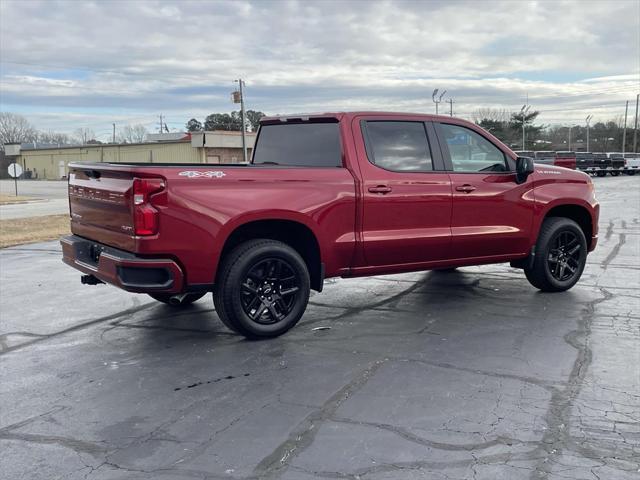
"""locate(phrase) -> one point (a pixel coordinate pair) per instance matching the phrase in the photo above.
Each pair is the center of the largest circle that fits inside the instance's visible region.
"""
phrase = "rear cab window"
(304, 144)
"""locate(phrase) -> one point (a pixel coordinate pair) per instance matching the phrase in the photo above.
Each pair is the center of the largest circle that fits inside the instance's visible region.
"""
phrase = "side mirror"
(524, 168)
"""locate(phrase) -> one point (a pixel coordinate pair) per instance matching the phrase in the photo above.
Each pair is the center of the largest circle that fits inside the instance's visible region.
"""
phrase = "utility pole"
(161, 124)
(523, 111)
(450, 101)
(114, 133)
(242, 117)
(635, 128)
(588, 119)
(433, 97)
(624, 130)
(570, 127)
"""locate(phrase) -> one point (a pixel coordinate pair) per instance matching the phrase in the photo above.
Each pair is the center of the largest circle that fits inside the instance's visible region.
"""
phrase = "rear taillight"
(145, 216)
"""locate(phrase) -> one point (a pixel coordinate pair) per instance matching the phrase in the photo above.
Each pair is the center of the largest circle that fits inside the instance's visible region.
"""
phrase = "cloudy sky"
(88, 64)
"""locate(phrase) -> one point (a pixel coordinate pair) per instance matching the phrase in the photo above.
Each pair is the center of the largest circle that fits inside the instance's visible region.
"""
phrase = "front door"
(406, 193)
(492, 215)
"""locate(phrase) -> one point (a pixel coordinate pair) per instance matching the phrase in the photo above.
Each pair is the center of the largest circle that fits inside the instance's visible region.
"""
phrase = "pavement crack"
(411, 437)
(80, 446)
(303, 435)
(622, 238)
(557, 437)
(79, 326)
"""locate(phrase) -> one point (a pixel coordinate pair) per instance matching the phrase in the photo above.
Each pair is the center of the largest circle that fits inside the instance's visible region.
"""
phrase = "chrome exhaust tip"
(176, 300)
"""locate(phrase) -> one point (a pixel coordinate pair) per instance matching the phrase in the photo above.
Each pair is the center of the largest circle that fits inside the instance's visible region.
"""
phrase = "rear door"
(491, 214)
(406, 192)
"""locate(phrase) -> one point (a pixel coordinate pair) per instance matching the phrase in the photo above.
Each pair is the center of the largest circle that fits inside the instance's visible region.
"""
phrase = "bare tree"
(52, 137)
(83, 135)
(132, 134)
(15, 129)
(499, 115)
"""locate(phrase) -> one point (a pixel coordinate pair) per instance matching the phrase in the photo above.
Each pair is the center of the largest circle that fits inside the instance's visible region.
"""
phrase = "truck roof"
(340, 115)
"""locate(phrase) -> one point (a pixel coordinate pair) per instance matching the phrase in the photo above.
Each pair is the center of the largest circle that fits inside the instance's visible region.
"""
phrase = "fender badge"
(196, 174)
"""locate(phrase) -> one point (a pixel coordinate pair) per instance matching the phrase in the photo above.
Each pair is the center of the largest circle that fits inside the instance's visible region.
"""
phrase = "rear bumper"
(122, 269)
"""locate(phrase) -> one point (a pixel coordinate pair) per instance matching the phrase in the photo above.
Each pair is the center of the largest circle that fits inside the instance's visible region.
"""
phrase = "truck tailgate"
(101, 207)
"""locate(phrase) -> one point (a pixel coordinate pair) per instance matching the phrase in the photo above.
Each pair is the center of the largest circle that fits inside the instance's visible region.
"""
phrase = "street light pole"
(588, 119)
(635, 127)
(433, 97)
(624, 130)
(570, 127)
(523, 111)
(242, 119)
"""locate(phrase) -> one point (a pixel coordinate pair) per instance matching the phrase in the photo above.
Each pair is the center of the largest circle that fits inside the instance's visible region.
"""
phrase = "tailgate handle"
(92, 173)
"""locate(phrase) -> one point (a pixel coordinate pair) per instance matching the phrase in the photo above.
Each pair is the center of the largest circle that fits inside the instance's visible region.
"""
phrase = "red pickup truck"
(334, 194)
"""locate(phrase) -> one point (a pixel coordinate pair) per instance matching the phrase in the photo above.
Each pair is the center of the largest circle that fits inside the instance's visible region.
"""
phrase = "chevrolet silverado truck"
(327, 195)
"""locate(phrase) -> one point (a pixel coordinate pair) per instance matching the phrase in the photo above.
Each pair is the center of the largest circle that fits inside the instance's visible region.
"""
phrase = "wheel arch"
(573, 211)
(294, 233)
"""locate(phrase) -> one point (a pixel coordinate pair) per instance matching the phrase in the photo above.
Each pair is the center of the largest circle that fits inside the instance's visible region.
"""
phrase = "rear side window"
(399, 146)
(299, 144)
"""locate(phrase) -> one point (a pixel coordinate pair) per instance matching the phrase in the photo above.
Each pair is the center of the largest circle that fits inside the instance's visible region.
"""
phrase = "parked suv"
(330, 195)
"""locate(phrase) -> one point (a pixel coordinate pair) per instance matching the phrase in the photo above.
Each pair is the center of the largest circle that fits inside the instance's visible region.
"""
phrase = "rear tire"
(561, 255)
(262, 289)
(188, 300)
(614, 174)
(601, 174)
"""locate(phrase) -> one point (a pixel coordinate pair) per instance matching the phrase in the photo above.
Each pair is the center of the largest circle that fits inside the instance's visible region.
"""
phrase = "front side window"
(399, 146)
(471, 152)
(299, 145)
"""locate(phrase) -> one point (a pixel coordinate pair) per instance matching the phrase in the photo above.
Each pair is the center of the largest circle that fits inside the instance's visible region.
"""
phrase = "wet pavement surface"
(465, 375)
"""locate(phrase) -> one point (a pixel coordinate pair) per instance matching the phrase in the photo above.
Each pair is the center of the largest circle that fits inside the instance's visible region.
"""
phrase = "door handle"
(466, 188)
(380, 189)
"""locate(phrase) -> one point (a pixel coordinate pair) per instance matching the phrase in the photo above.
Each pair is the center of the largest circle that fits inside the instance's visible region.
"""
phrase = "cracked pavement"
(465, 375)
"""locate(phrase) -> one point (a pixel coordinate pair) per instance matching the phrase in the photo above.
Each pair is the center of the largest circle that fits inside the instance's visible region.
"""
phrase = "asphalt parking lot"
(465, 375)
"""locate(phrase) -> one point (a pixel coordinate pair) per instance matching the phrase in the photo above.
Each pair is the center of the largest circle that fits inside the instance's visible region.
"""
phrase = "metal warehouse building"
(201, 147)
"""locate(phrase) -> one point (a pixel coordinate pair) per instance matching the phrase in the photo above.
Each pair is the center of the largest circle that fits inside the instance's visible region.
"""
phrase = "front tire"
(262, 289)
(561, 255)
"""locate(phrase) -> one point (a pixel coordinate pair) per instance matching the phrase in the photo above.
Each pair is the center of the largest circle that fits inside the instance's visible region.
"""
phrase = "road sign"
(15, 170)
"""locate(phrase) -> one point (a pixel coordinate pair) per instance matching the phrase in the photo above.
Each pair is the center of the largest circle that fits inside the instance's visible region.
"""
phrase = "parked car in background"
(565, 159)
(617, 163)
(602, 164)
(585, 162)
(631, 163)
(525, 153)
(327, 195)
(547, 157)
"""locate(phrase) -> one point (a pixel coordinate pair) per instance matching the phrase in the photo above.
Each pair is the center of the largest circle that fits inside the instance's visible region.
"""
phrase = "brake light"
(145, 215)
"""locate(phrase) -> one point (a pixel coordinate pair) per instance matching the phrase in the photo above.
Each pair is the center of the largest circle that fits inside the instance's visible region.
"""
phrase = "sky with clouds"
(70, 64)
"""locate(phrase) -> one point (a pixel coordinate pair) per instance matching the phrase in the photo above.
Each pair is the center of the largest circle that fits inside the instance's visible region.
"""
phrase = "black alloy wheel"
(564, 256)
(270, 291)
(560, 255)
(262, 288)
